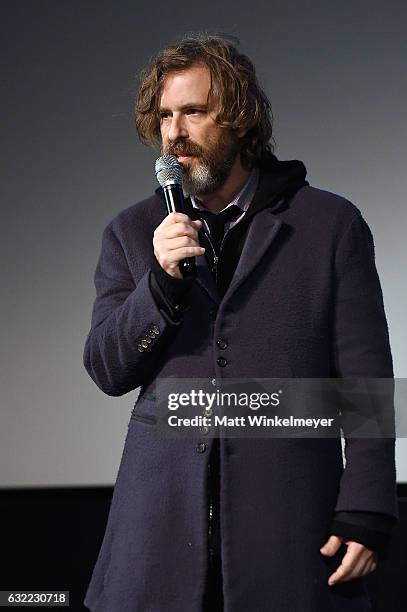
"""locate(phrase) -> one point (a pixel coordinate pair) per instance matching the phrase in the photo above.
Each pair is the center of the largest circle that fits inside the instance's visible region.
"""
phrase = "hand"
(176, 238)
(357, 561)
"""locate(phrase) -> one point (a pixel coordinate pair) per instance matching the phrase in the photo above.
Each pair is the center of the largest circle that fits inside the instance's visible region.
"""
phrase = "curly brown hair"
(235, 92)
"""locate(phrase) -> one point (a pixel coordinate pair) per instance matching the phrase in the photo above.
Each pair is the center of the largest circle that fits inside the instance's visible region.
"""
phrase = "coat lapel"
(260, 235)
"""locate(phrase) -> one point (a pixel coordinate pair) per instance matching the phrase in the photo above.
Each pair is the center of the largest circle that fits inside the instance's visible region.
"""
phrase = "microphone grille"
(168, 169)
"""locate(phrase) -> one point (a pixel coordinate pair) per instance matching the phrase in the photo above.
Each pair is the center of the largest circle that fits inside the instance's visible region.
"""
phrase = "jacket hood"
(278, 182)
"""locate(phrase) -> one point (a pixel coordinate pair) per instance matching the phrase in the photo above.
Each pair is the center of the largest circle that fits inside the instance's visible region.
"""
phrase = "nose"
(177, 128)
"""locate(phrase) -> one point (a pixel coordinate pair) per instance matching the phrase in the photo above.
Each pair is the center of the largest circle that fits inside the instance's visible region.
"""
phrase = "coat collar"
(261, 233)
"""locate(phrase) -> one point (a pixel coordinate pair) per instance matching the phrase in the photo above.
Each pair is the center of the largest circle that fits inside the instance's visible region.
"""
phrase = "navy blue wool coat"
(305, 301)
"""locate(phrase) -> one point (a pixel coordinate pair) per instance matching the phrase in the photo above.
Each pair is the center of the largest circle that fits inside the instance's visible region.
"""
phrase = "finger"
(187, 251)
(176, 217)
(173, 257)
(366, 568)
(173, 218)
(352, 562)
(331, 546)
(349, 574)
(339, 574)
(170, 244)
(358, 570)
(371, 566)
(181, 229)
(344, 569)
(176, 229)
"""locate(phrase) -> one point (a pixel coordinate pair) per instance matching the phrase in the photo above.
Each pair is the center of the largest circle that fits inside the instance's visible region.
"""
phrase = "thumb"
(331, 546)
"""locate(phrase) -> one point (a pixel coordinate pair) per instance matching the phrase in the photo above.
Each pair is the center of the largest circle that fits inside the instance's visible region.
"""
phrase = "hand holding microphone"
(176, 242)
(175, 239)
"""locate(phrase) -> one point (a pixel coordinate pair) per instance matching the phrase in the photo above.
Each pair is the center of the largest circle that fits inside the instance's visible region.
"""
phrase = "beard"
(211, 165)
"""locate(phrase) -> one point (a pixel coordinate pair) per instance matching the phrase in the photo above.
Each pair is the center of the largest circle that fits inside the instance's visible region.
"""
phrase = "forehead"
(190, 86)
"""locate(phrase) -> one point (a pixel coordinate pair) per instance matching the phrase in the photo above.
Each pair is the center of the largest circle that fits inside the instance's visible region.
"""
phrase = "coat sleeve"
(372, 529)
(361, 349)
(128, 328)
(170, 293)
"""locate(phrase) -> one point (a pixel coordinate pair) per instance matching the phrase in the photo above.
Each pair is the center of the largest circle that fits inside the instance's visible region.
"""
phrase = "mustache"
(183, 148)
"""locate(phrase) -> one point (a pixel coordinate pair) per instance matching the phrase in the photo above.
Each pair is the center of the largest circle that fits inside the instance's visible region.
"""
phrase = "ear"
(242, 131)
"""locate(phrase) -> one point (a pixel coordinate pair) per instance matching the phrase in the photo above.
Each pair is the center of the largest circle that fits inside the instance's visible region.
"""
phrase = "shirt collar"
(242, 199)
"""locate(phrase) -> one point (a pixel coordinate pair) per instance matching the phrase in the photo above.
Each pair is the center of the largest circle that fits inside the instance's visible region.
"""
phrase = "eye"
(195, 111)
(164, 115)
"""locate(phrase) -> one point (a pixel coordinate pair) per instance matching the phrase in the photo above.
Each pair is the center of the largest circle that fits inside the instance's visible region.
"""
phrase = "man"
(285, 286)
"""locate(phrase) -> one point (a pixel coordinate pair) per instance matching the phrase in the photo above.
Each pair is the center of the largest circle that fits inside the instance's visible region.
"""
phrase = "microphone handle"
(174, 201)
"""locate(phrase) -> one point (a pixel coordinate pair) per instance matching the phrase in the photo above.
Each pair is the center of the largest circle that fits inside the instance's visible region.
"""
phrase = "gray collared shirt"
(242, 200)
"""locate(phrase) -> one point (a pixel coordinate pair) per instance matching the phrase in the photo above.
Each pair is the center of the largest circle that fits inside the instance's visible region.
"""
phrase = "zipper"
(215, 255)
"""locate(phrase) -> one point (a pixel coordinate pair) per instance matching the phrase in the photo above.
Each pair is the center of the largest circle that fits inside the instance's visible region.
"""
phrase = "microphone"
(169, 174)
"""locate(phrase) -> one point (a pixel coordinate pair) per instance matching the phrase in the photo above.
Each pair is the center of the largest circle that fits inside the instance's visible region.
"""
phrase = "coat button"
(155, 329)
(221, 361)
(221, 343)
(200, 447)
(208, 412)
(144, 343)
(213, 382)
(213, 312)
(204, 430)
(140, 348)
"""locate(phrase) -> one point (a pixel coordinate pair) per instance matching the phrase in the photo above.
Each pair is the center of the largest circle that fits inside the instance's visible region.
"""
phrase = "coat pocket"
(144, 410)
(144, 418)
